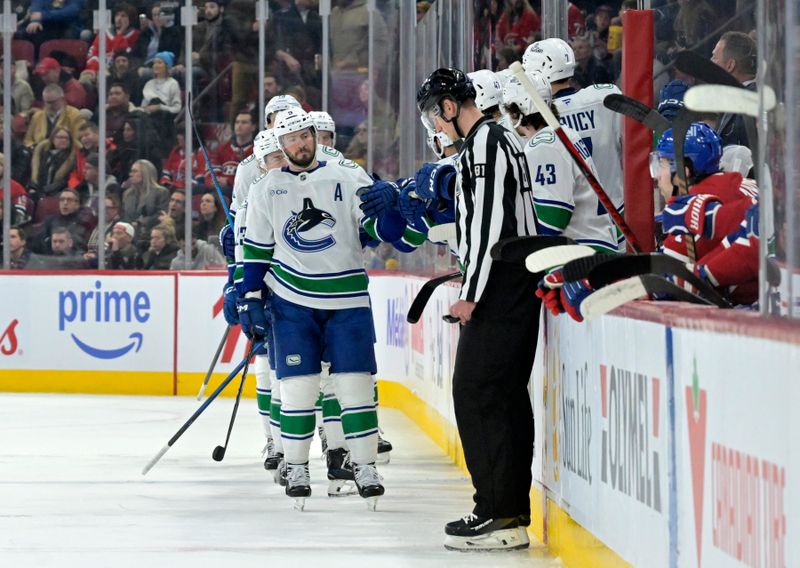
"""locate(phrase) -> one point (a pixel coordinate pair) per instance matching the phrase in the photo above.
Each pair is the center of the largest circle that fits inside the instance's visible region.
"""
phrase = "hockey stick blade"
(552, 257)
(700, 67)
(606, 299)
(638, 111)
(579, 268)
(724, 99)
(517, 249)
(551, 120)
(425, 293)
(445, 233)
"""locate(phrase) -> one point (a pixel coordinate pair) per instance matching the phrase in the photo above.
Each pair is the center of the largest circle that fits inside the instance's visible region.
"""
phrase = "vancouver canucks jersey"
(302, 236)
(601, 132)
(565, 202)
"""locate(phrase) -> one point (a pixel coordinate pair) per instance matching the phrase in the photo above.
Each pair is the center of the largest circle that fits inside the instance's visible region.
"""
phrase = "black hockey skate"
(472, 532)
(279, 474)
(298, 484)
(340, 473)
(384, 450)
(273, 460)
(368, 482)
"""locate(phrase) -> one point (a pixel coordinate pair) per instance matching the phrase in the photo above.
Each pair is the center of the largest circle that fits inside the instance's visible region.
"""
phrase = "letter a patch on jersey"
(309, 221)
(337, 193)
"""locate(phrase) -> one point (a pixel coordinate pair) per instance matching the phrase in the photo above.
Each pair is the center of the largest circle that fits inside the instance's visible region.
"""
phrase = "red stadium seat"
(75, 47)
(46, 207)
(23, 49)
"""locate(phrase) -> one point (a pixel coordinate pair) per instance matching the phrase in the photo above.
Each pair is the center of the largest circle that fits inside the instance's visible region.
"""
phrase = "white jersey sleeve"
(246, 172)
(565, 202)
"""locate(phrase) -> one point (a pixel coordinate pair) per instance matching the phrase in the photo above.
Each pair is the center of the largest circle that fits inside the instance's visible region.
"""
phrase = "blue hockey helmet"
(702, 146)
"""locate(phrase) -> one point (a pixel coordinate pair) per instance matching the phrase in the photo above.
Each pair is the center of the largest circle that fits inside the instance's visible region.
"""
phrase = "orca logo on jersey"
(305, 221)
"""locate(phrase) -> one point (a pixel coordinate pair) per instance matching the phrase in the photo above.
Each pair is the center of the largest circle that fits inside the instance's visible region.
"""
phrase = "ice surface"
(71, 493)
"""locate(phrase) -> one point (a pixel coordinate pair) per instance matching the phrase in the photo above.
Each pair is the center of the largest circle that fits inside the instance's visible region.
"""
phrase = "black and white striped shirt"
(494, 200)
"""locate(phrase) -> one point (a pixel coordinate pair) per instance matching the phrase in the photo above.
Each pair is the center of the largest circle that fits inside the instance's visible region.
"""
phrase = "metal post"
(371, 82)
(407, 15)
(789, 157)
(764, 178)
(325, 14)
(102, 18)
(9, 27)
(262, 14)
(554, 18)
(189, 19)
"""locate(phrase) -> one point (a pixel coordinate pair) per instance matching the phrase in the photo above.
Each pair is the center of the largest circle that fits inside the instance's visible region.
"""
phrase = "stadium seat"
(46, 207)
(23, 49)
(75, 47)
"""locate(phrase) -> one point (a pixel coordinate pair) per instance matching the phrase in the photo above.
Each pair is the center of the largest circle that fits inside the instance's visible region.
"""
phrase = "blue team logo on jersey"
(308, 219)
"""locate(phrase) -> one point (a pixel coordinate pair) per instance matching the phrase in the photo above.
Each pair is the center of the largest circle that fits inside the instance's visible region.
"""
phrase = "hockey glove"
(433, 181)
(411, 208)
(230, 295)
(690, 214)
(379, 198)
(227, 242)
(572, 294)
(549, 290)
(751, 221)
(253, 318)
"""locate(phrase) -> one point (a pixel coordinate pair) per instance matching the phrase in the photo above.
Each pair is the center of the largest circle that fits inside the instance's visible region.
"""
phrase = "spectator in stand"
(173, 171)
(122, 255)
(236, 149)
(22, 206)
(505, 57)
(20, 155)
(21, 92)
(736, 52)
(518, 25)
(422, 8)
(62, 243)
(299, 93)
(50, 73)
(18, 245)
(112, 217)
(89, 188)
(163, 248)
(214, 40)
(601, 20)
(79, 221)
(156, 37)
(56, 113)
(176, 210)
(349, 33)
(123, 37)
(244, 73)
(118, 108)
(212, 218)
(695, 21)
(53, 161)
(144, 200)
(357, 148)
(576, 22)
(135, 142)
(272, 85)
(51, 19)
(89, 137)
(588, 70)
(295, 29)
(161, 99)
(204, 255)
(121, 72)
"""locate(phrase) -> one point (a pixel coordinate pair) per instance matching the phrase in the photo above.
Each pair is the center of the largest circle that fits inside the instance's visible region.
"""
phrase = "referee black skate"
(499, 315)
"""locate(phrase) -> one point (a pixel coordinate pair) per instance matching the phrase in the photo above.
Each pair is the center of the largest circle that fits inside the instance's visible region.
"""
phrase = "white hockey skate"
(279, 473)
(473, 533)
(298, 484)
(368, 482)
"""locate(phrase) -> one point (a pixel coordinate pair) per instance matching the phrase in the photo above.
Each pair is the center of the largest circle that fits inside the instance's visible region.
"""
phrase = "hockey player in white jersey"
(302, 240)
(583, 111)
(565, 202)
(326, 128)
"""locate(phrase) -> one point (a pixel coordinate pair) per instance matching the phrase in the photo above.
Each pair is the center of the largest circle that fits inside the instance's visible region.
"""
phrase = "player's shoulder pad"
(546, 136)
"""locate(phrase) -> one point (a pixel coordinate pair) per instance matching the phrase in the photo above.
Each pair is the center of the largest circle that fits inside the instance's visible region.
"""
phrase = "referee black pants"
(492, 406)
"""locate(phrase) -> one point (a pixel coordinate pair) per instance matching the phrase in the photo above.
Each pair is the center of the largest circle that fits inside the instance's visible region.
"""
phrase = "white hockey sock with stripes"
(275, 412)
(298, 398)
(359, 415)
(263, 391)
(331, 414)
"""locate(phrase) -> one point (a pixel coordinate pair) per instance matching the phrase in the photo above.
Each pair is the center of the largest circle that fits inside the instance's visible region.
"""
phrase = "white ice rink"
(71, 493)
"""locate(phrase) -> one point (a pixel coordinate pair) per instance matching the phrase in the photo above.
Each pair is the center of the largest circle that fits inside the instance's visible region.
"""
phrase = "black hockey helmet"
(444, 82)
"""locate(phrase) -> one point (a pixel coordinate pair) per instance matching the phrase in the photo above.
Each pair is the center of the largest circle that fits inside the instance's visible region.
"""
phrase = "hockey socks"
(297, 416)
(359, 415)
(275, 413)
(263, 391)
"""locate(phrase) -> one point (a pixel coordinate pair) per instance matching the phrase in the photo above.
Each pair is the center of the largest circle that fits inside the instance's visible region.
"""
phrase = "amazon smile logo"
(88, 316)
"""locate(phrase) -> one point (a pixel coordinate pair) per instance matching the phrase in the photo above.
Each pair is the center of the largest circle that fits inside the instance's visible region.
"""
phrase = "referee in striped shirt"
(498, 312)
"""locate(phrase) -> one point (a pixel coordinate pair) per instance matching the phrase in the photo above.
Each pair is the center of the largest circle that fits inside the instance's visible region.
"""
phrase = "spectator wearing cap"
(56, 113)
(204, 255)
(156, 37)
(122, 255)
(52, 19)
(163, 248)
(670, 100)
(161, 99)
(123, 37)
(79, 221)
(122, 71)
(518, 24)
(50, 72)
(52, 163)
(18, 245)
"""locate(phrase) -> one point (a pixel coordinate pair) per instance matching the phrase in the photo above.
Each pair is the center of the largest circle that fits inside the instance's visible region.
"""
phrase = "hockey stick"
(619, 293)
(553, 123)
(579, 268)
(621, 267)
(208, 161)
(638, 111)
(445, 233)
(219, 452)
(680, 127)
(194, 416)
(725, 99)
(516, 249)
(425, 293)
(552, 257)
(213, 362)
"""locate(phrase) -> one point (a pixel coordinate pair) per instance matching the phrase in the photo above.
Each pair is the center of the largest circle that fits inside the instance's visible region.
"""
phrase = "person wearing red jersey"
(236, 149)
(173, 170)
(122, 38)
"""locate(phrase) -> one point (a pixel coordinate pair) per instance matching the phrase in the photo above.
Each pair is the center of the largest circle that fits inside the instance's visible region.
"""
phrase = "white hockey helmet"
(515, 93)
(265, 144)
(277, 104)
(559, 62)
(488, 90)
(504, 76)
(323, 121)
